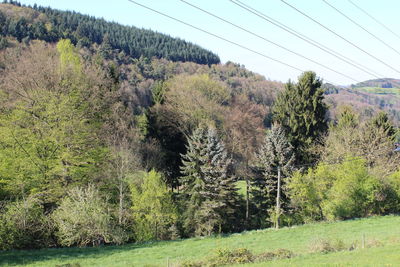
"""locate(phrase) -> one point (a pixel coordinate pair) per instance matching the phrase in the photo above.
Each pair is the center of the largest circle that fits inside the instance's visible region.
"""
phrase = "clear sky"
(386, 11)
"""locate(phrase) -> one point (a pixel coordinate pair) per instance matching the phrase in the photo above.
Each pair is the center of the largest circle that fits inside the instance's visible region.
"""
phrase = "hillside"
(381, 242)
(50, 25)
(379, 83)
(366, 100)
(109, 140)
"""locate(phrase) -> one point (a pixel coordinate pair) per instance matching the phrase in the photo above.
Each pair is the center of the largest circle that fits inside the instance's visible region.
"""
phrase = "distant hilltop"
(380, 83)
(51, 25)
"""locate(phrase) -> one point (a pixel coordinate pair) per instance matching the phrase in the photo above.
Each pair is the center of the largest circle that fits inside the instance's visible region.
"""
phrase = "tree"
(342, 191)
(23, 225)
(275, 158)
(300, 110)
(84, 218)
(372, 140)
(154, 212)
(244, 132)
(207, 184)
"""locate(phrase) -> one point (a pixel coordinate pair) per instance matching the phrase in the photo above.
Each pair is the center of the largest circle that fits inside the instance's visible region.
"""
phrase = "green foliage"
(23, 225)
(154, 212)
(47, 148)
(224, 256)
(345, 191)
(347, 118)
(208, 186)
(83, 218)
(301, 111)
(68, 57)
(381, 122)
(275, 152)
(296, 239)
(52, 25)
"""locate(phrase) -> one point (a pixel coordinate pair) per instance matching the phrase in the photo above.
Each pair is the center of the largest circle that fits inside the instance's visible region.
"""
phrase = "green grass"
(241, 187)
(380, 256)
(385, 229)
(379, 90)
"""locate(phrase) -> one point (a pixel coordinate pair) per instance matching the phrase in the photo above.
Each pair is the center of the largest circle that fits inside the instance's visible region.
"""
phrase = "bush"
(83, 218)
(322, 245)
(226, 256)
(345, 191)
(23, 225)
(280, 253)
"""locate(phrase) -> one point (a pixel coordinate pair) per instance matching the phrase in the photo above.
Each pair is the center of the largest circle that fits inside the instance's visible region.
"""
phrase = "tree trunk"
(247, 200)
(278, 199)
(121, 202)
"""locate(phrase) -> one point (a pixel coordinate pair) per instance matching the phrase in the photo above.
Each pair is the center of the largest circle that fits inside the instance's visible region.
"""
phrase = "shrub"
(322, 245)
(23, 225)
(227, 256)
(224, 257)
(69, 265)
(279, 253)
(83, 218)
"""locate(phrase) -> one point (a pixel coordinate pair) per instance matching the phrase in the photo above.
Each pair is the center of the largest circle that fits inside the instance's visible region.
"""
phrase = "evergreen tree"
(382, 122)
(276, 152)
(301, 112)
(208, 185)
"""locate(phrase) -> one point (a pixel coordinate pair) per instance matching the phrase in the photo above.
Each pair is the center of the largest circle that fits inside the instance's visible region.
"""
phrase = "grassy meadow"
(379, 90)
(384, 230)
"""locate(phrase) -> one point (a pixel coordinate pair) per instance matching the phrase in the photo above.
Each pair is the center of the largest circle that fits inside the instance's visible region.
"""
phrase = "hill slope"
(52, 25)
(381, 83)
(377, 230)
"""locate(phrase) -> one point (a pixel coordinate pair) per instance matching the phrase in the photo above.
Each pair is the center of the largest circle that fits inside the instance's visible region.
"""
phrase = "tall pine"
(276, 152)
(301, 111)
(208, 186)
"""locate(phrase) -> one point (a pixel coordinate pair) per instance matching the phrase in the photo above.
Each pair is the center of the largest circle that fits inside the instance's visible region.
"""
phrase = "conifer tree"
(301, 112)
(276, 152)
(208, 185)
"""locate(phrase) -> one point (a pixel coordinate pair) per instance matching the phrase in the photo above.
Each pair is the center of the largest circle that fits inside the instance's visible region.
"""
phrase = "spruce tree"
(208, 186)
(276, 152)
(301, 111)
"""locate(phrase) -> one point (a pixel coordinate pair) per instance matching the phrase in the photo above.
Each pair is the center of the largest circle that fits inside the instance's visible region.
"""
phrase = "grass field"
(378, 90)
(384, 229)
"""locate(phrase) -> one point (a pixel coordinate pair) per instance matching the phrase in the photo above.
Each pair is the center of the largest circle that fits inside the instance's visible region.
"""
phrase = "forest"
(110, 143)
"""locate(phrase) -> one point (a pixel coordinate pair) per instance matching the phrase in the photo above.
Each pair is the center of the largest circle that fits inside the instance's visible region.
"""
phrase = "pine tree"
(301, 112)
(208, 185)
(276, 152)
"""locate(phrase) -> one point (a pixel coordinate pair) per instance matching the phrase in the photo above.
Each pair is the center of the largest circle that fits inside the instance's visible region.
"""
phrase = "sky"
(385, 64)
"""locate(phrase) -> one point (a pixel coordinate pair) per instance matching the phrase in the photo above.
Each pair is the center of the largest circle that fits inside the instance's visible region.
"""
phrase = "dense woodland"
(101, 146)
(52, 25)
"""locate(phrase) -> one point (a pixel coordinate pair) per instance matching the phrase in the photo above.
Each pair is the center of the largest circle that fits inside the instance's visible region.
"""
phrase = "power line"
(377, 21)
(338, 35)
(267, 40)
(306, 39)
(360, 26)
(215, 35)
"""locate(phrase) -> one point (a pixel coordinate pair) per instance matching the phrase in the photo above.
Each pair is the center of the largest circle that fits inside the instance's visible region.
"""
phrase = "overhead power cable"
(308, 40)
(338, 35)
(360, 26)
(267, 40)
(373, 18)
(216, 36)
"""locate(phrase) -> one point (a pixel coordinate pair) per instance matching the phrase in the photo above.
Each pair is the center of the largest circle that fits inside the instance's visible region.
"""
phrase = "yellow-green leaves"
(69, 59)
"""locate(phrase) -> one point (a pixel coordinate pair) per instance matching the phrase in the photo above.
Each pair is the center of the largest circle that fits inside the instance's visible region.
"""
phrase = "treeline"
(99, 148)
(367, 104)
(51, 25)
(92, 145)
